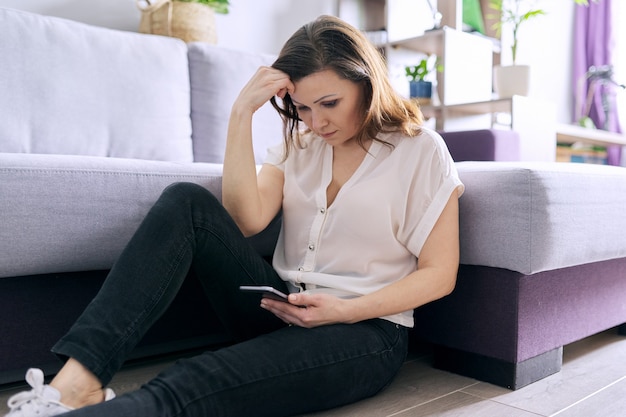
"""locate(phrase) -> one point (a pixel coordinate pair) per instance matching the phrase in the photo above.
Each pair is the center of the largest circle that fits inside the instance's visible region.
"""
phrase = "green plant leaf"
(220, 6)
(420, 71)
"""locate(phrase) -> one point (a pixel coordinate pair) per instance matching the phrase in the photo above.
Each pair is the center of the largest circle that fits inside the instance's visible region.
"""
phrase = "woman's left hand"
(309, 310)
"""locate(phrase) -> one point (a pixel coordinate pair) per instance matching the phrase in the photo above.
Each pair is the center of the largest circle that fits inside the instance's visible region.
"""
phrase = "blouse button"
(322, 210)
(301, 269)
(311, 247)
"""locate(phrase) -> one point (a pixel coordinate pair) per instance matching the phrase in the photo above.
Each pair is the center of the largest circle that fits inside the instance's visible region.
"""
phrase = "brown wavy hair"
(330, 43)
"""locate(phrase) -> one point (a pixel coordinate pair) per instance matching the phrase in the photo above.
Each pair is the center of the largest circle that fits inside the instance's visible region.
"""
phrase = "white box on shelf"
(467, 68)
(408, 19)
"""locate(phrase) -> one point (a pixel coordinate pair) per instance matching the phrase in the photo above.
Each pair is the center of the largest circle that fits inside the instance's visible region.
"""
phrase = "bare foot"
(78, 386)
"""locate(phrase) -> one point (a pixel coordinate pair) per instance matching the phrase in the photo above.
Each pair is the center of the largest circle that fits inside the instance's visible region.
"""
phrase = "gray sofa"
(96, 122)
(543, 264)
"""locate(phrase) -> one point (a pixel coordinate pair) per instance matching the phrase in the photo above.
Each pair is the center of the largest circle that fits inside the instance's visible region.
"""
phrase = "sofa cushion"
(65, 213)
(531, 217)
(74, 89)
(217, 75)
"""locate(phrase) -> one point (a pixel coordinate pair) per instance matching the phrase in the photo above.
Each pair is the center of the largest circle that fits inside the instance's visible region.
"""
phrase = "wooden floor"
(592, 383)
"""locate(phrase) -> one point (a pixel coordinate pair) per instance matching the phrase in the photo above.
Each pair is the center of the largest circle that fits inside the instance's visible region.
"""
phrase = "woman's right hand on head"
(266, 83)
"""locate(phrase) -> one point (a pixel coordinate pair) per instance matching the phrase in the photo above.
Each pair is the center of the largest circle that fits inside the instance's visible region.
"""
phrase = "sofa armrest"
(74, 213)
(483, 145)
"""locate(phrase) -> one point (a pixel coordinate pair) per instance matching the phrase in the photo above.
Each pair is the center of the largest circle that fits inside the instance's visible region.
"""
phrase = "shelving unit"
(580, 144)
(401, 28)
(466, 60)
(464, 99)
(572, 134)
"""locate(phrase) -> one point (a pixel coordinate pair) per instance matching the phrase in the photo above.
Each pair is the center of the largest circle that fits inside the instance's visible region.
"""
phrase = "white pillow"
(74, 89)
(217, 75)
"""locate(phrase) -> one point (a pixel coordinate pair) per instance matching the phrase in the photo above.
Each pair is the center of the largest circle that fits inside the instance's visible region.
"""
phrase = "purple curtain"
(593, 46)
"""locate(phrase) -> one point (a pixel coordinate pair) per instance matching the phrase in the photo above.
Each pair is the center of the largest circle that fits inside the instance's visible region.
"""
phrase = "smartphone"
(265, 291)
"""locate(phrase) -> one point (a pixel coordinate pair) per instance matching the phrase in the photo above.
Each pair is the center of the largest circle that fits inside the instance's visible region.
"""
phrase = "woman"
(370, 231)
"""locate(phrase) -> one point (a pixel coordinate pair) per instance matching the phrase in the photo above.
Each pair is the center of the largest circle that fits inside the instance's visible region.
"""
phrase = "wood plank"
(459, 404)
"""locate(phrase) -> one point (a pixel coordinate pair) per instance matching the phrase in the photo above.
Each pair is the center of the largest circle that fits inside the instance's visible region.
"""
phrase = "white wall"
(255, 25)
(263, 26)
(116, 14)
(546, 44)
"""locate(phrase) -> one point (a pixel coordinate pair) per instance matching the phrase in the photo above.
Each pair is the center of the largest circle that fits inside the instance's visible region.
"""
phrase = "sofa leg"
(496, 371)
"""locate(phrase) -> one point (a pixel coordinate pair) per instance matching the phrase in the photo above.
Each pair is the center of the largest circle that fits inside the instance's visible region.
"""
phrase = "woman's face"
(330, 106)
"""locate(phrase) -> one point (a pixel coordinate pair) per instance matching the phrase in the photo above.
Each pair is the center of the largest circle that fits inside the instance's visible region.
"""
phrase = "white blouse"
(375, 228)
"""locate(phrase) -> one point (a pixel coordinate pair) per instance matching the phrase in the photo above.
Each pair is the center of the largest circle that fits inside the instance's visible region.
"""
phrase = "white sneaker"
(42, 400)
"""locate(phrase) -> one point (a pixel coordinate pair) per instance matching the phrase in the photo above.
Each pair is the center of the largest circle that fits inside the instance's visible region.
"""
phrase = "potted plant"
(419, 87)
(220, 6)
(189, 20)
(514, 79)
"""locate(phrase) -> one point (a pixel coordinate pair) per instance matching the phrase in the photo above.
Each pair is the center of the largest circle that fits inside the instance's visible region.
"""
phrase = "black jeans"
(274, 370)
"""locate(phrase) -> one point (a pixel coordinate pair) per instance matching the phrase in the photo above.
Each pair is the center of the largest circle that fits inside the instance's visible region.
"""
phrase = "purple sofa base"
(498, 372)
(509, 329)
(37, 310)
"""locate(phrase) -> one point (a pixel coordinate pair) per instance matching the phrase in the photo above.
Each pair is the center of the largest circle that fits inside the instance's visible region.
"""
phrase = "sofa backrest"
(217, 75)
(75, 89)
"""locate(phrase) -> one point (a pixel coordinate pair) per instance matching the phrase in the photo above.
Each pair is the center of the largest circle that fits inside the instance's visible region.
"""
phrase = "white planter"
(511, 80)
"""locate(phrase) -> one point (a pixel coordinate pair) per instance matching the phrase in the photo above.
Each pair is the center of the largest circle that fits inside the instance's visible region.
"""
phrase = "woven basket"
(191, 22)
